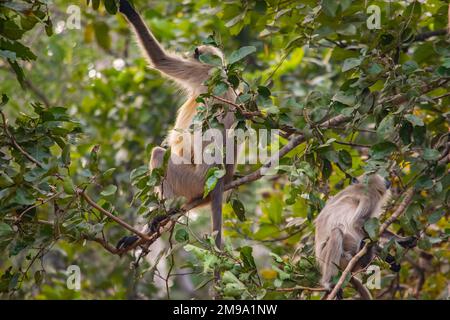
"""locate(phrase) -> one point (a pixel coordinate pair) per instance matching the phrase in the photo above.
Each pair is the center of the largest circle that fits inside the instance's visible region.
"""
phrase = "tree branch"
(424, 36)
(83, 194)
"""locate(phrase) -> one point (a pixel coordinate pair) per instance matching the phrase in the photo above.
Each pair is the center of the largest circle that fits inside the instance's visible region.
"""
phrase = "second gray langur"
(183, 179)
(340, 228)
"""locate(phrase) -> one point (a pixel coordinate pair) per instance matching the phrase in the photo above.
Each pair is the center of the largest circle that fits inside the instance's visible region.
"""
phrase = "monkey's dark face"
(204, 49)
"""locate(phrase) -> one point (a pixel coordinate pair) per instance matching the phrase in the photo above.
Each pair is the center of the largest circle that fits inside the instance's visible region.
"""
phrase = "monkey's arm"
(362, 213)
(172, 65)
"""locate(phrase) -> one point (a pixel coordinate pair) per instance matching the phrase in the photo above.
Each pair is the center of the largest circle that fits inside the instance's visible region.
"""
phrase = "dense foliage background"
(81, 111)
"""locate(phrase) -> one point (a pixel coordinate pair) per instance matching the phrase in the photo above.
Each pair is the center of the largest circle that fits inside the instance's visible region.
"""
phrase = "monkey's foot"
(155, 223)
(408, 242)
(394, 266)
(126, 242)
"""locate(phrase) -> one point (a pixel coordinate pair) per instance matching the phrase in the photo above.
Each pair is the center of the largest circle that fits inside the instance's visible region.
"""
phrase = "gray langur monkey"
(183, 179)
(340, 229)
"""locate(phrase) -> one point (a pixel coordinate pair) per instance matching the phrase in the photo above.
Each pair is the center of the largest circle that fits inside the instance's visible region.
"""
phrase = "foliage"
(81, 112)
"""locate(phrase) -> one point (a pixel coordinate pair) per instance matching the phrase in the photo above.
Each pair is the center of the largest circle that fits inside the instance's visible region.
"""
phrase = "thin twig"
(16, 145)
(248, 114)
(352, 144)
(296, 288)
(82, 193)
(103, 243)
(39, 204)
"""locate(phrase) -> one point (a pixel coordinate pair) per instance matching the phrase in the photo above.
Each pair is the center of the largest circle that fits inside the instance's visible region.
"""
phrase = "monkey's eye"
(355, 181)
(196, 53)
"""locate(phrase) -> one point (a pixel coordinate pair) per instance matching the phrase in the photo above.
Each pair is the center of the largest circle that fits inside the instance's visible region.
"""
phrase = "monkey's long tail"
(331, 255)
(216, 208)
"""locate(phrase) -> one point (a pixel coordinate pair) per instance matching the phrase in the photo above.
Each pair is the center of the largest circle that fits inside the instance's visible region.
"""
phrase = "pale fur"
(186, 180)
(340, 225)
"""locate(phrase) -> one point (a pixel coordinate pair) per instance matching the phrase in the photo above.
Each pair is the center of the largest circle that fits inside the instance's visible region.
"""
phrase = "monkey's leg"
(405, 242)
(188, 180)
(394, 266)
(156, 161)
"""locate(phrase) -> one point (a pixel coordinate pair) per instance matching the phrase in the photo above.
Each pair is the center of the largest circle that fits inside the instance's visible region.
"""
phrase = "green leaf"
(65, 156)
(414, 120)
(138, 172)
(405, 132)
(264, 91)
(372, 227)
(49, 27)
(382, 150)
(18, 71)
(247, 257)
(350, 63)
(273, 208)
(386, 127)
(348, 99)
(212, 177)
(435, 217)
(5, 180)
(4, 101)
(330, 7)
(345, 158)
(109, 190)
(23, 196)
(181, 235)
(101, 31)
(410, 66)
(5, 230)
(424, 182)
(21, 51)
(424, 243)
(95, 4)
(431, 154)
(240, 54)
(238, 209)
(210, 59)
(108, 173)
(38, 277)
(375, 68)
(220, 88)
(110, 6)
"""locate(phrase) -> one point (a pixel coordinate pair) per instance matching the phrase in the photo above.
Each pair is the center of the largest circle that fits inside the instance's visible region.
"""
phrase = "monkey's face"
(205, 49)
